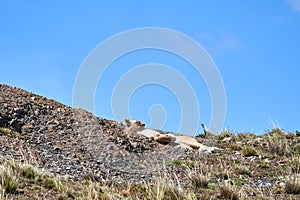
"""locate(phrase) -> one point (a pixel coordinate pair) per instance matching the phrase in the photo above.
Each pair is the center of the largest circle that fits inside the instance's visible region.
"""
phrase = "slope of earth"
(91, 157)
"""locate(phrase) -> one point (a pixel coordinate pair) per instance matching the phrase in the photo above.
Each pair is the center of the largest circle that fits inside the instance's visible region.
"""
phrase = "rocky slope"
(73, 142)
(132, 162)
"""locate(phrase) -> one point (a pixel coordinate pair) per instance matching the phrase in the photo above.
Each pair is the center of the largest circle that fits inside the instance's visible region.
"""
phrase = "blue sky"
(254, 44)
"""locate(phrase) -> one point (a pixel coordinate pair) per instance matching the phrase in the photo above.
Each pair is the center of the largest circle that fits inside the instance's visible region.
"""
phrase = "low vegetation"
(248, 167)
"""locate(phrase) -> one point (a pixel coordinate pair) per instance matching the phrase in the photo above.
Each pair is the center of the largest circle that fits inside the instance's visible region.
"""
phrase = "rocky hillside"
(52, 151)
(73, 142)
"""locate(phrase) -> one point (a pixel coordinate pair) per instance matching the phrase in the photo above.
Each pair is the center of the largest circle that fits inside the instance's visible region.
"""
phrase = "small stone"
(228, 139)
(281, 185)
(264, 184)
(109, 147)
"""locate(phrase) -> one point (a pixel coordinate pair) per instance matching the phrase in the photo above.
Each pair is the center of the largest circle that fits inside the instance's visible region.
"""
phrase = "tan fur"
(164, 138)
(135, 123)
(192, 142)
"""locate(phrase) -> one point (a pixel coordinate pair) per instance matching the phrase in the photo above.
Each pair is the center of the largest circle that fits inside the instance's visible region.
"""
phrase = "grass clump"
(264, 165)
(278, 145)
(297, 148)
(292, 185)
(228, 191)
(243, 170)
(238, 181)
(226, 134)
(9, 132)
(182, 163)
(49, 183)
(235, 146)
(249, 151)
(276, 132)
(163, 189)
(29, 172)
(198, 179)
(9, 182)
(295, 165)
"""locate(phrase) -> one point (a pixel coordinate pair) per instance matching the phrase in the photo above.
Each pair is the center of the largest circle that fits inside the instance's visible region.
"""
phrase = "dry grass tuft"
(198, 179)
(292, 185)
(228, 191)
(249, 151)
(226, 134)
(278, 144)
(9, 182)
(295, 165)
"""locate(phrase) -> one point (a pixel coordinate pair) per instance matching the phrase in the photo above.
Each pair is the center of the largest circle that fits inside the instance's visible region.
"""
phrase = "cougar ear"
(140, 124)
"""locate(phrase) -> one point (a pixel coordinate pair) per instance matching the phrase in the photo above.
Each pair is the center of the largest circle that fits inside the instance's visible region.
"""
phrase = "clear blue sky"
(255, 45)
